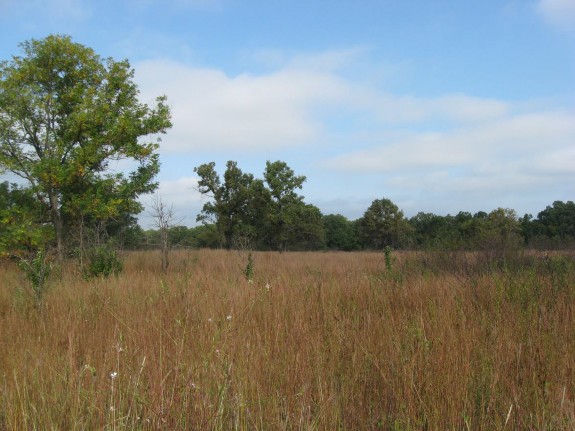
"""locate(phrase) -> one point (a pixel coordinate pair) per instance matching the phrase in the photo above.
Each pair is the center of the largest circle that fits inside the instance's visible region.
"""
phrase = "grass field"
(326, 341)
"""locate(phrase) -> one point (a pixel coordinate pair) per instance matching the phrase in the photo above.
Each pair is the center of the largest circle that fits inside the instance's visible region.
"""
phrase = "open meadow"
(317, 341)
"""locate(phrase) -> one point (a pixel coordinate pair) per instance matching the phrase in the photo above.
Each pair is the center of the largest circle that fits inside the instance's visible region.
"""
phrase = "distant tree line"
(244, 212)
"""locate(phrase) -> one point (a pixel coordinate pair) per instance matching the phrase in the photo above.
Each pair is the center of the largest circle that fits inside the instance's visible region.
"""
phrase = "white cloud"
(518, 161)
(522, 137)
(408, 109)
(560, 13)
(466, 108)
(214, 111)
(288, 107)
(182, 194)
(467, 151)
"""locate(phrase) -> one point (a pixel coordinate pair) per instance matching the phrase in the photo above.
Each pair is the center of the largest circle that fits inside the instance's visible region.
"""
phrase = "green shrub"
(37, 270)
(102, 262)
(249, 271)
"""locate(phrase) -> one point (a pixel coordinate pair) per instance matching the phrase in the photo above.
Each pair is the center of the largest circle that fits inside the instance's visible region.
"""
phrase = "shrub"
(37, 270)
(102, 262)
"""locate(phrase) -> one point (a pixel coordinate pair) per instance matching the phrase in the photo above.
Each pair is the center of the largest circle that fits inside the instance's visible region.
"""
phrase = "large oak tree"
(65, 115)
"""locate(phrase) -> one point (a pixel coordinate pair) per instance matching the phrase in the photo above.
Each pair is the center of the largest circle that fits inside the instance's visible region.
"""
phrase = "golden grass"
(320, 341)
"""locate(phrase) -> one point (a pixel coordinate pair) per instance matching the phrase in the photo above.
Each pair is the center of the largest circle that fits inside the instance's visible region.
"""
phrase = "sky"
(439, 105)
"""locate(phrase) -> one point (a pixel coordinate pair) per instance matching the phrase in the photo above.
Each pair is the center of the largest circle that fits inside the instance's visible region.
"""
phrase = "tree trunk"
(164, 239)
(56, 216)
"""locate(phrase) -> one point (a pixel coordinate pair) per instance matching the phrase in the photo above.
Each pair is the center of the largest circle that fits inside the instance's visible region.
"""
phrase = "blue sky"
(440, 106)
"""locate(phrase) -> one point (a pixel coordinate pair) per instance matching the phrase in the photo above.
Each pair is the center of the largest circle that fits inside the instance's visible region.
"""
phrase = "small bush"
(249, 271)
(37, 270)
(388, 257)
(102, 262)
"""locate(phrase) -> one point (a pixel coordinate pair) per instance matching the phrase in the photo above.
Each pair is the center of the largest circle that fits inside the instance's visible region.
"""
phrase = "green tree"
(65, 115)
(558, 222)
(204, 236)
(230, 200)
(22, 221)
(282, 183)
(133, 237)
(430, 230)
(180, 237)
(303, 227)
(248, 212)
(340, 233)
(502, 232)
(383, 224)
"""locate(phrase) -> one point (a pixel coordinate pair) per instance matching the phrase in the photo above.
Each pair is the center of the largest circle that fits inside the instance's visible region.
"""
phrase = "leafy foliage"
(22, 230)
(65, 114)
(230, 199)
(249, 270)
(383, 224)
(558, 222)
(102, 262)
(247, 210)
(37, 270)
(340, 233)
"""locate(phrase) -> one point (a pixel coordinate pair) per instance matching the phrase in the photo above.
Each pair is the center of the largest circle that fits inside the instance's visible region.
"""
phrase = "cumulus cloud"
(514, 161)
(525, 137)
(182, 194)
(287, 107)
(457, 146)
(212, 110)
(560, 13)
(391, 108)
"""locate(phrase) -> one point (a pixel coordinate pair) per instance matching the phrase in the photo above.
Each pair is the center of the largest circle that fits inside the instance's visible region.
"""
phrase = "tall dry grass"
(320, 341)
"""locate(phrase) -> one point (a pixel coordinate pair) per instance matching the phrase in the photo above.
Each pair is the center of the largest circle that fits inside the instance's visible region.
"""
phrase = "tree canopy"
(65, 115)
(249, 211)
(383, 224)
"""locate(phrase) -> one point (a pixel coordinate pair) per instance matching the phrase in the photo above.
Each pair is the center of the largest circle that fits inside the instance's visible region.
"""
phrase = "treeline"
(244, 212)
(554, 228)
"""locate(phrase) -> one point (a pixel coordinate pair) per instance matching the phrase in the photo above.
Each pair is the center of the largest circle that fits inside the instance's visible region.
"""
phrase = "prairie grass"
(317, 341)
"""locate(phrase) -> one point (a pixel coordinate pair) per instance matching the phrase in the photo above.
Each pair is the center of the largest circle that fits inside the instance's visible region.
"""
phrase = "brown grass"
(336, 342)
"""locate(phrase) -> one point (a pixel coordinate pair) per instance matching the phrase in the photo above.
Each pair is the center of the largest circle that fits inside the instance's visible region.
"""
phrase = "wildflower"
(268, 286)
(113, 375)
(217, 352)
(229, 317)
(210, 320)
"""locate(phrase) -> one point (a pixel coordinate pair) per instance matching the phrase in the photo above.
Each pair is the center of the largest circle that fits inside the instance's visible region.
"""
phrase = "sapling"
(37, 270)
(249, 271)
(388, 258)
